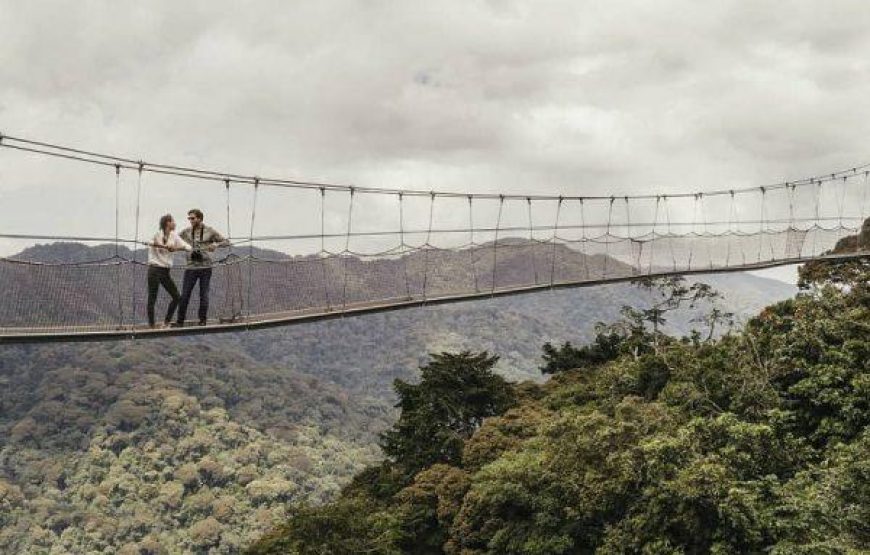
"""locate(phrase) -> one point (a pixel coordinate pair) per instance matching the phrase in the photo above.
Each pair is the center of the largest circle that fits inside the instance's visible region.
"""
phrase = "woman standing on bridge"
(160, 250)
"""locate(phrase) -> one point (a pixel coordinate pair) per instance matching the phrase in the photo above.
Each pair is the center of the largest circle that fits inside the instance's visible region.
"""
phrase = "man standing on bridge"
(203, 240)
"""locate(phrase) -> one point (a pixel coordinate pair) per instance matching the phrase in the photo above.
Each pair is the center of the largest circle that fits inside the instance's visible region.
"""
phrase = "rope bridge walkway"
(324, 250)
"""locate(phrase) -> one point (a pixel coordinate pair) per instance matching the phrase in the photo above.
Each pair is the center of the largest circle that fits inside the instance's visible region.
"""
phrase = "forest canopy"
(746, 441)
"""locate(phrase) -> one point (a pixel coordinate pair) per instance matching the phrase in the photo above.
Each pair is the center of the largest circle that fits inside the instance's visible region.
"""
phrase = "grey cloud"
(520, 96)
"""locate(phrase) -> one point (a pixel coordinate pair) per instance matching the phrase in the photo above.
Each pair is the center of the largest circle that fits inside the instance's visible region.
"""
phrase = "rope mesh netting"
(356, 249)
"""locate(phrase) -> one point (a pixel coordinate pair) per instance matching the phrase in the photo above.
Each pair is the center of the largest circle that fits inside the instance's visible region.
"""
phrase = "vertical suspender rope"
(346, 253)
(864, 200)
(694, 232)
(842, 202)
(816, 226)
(119, 265)
(136, 243)
(764, 229)
(495, 244)
(532, 241)
(473, 245)
(792, 229)
(323, 255)
(428, 246)
(117, 204)
(730, 229)
(251, 248)
(707, 238)
(555, 238)
(628, 234)
(607, 237)
(654, 235)
(761, 224)
(402, 245)
(229, 296)
(583, 238)
(227, 186)
(669, 232)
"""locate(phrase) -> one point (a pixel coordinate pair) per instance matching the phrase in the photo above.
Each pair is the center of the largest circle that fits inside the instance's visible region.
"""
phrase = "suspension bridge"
(329, 250)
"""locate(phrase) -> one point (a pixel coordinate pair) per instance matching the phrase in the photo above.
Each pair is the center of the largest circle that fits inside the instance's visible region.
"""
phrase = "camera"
(196, 255)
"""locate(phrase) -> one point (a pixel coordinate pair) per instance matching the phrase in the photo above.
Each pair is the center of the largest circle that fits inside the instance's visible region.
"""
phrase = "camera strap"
(193, 235)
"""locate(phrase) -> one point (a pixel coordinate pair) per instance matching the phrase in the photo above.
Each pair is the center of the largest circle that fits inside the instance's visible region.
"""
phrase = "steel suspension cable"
(816, 203)
(532, 240)
(402, 244)
(345, 254)
(762, 228)
(655, 235)
(118, 280)
(227, 187)
(229, 297)
(583, 238)
(428, 245)
(49, 149)
(693, 243)
(865, 186)
(495, 245)
(133, 287)
(842, 202)
(669, 233)
(472, 243)
(607, 236)
(730, 230)
(635, 266)
(322, 253)
(553, 240)
(251, 248)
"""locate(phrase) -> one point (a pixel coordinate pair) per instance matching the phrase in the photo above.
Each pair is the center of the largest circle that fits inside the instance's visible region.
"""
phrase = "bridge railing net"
(360, 249)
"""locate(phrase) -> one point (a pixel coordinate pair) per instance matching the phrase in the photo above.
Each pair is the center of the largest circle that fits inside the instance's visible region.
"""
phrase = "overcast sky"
(559, 96)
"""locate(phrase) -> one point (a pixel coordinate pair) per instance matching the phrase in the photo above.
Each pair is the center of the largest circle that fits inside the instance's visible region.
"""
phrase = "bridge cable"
(555, 235)
(230, 296)
(730, 230)
(403, 245)
(346, 253)
(842, 203)
(655, 235)
(323, 255)
(495, 245)
(607, 237)
(817, 202)
(119, 266)
(251, 248)
(532, 243)
(472, 243)
(864, 198)
(632, 241)
(428, 246)
(133, 287)
(583, 238)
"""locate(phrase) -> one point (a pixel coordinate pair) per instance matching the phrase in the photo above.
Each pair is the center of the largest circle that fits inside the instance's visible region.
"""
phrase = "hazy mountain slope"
(366, 353)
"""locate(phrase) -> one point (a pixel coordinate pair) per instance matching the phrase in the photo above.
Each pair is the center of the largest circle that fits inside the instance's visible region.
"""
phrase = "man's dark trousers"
(191, 276)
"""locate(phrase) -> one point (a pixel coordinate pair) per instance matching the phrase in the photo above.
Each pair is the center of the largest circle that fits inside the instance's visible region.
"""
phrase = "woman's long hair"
(164, 223)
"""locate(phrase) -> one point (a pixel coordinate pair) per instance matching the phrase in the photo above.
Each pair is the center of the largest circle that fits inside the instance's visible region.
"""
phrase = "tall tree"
(456, 392)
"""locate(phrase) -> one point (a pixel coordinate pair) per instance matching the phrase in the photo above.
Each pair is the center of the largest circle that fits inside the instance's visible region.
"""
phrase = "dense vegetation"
(640, 443)
(157, 447)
